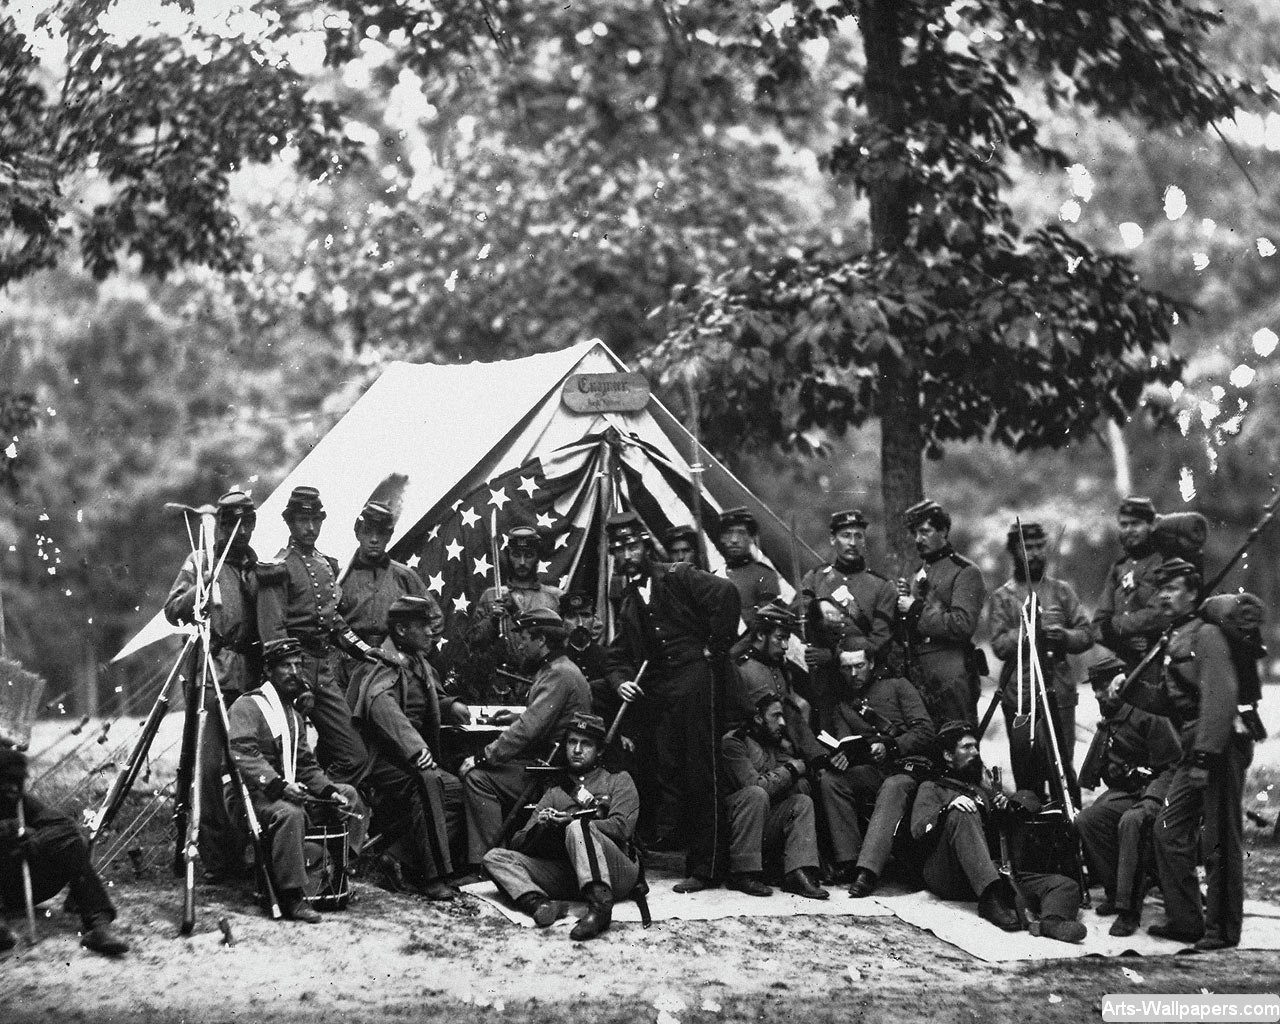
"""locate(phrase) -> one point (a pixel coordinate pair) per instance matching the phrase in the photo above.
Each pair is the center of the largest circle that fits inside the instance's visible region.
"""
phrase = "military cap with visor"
(850, 517)
(542, 620)
(587, 724)
(625, 528)
(926, 511)
(1138, 508)
(1176, 569)
(376, 514)
(304, 500)
(578, 602)
(740, 516)
(274, 651)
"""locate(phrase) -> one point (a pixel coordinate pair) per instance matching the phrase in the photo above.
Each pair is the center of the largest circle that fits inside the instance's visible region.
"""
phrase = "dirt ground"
(390, 957)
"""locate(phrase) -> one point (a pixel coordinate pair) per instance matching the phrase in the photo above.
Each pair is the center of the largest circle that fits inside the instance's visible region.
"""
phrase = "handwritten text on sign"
(606, 392)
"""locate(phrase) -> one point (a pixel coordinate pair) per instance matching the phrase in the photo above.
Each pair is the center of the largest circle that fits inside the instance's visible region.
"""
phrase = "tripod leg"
(187, 763)
(128, 775)
(192, 838)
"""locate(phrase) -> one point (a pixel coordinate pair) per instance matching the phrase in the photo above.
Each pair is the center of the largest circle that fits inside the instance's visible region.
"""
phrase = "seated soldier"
(953, 817)
(1134, 753)
(494, 779)
(578, 840)
(878, 781)
(270, 748)
(762, 668)
(57, 856)
(397, 711)
(768, 805)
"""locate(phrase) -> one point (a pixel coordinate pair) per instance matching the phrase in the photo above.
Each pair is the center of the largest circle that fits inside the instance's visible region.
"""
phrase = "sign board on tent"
(605, 392)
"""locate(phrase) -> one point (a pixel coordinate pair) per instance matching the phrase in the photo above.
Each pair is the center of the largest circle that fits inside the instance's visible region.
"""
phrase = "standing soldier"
(237, 657)
(374, 583)
(681, 543)
(1129, 619)
(493, 618)
(757, 584)
(941, 608)
(298, 598)
(398, 713)
(1199, 692)
(1062, 629)
(682, 621)
(848, 607)
(1133, 752)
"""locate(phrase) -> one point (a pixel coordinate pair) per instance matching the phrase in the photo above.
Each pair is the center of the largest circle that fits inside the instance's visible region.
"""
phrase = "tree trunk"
(901, 434)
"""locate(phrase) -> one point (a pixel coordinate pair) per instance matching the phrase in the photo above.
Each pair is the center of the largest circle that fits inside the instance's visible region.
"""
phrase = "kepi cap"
(303, 499)
(847, 518)
(740, 516)
(1139, 508)
(588, 725)
(277, 650)
(376, 514)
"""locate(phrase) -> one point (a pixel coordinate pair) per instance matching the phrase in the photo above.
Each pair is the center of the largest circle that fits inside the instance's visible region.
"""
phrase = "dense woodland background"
(214, 239)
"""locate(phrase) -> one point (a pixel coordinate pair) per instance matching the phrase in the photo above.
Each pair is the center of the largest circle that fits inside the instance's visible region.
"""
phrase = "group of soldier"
(817, 741)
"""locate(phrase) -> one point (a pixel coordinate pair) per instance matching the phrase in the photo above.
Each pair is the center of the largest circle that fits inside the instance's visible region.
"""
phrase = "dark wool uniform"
(940, 628)
(1198, 692)
(1129, 606)
(958, 863)
(1133, 753)
(1058, 602)
(891, 711)
(237, 659)
(398, 713)
(559, 691)
(682, 621)
(757, 584)
(757, 675)
(768, 805)
(868, 606)
(558, 862)
(298, 597)
(528, 596)
(58, 856)
(370, 588)
(260, 755)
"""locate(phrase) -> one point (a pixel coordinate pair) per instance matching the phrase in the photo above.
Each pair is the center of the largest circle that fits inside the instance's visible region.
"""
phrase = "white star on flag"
(544, 567)
(454, 550)
(435, 532)
(529, 485)
(562, 541)
(469, 517)
(436, 583)
(461, 604)
(546, 520)
(413, 561)
(498, 498)
(441, 642)
(482, 566)
(456, 505)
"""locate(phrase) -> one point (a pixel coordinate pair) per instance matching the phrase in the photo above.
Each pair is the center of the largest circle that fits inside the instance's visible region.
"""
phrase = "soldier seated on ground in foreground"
(493, 779)
(578, 841)
(768, 806)
(57, 855)
(954, 817)
(270, 748)
(878, 774)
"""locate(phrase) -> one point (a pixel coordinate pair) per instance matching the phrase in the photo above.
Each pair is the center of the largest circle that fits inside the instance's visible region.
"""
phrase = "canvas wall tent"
(454, 431)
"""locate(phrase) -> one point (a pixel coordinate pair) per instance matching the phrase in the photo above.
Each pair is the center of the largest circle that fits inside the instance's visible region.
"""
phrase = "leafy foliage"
(992, 332)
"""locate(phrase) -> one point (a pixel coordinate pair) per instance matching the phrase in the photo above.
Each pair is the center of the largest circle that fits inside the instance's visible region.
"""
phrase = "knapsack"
(1240, 617)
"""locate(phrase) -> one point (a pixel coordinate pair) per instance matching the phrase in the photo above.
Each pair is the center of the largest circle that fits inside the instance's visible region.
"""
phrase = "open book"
(856, 748)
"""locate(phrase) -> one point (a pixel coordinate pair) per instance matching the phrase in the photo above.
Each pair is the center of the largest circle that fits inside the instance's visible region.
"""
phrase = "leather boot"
(799, 883)
(439, 891)
(1125, 924)
(538, 907)
(748, 882)
(864, 885)
(599, 913)
(296, 908)
(1063, 930)
(102, 938)
(991, 908)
